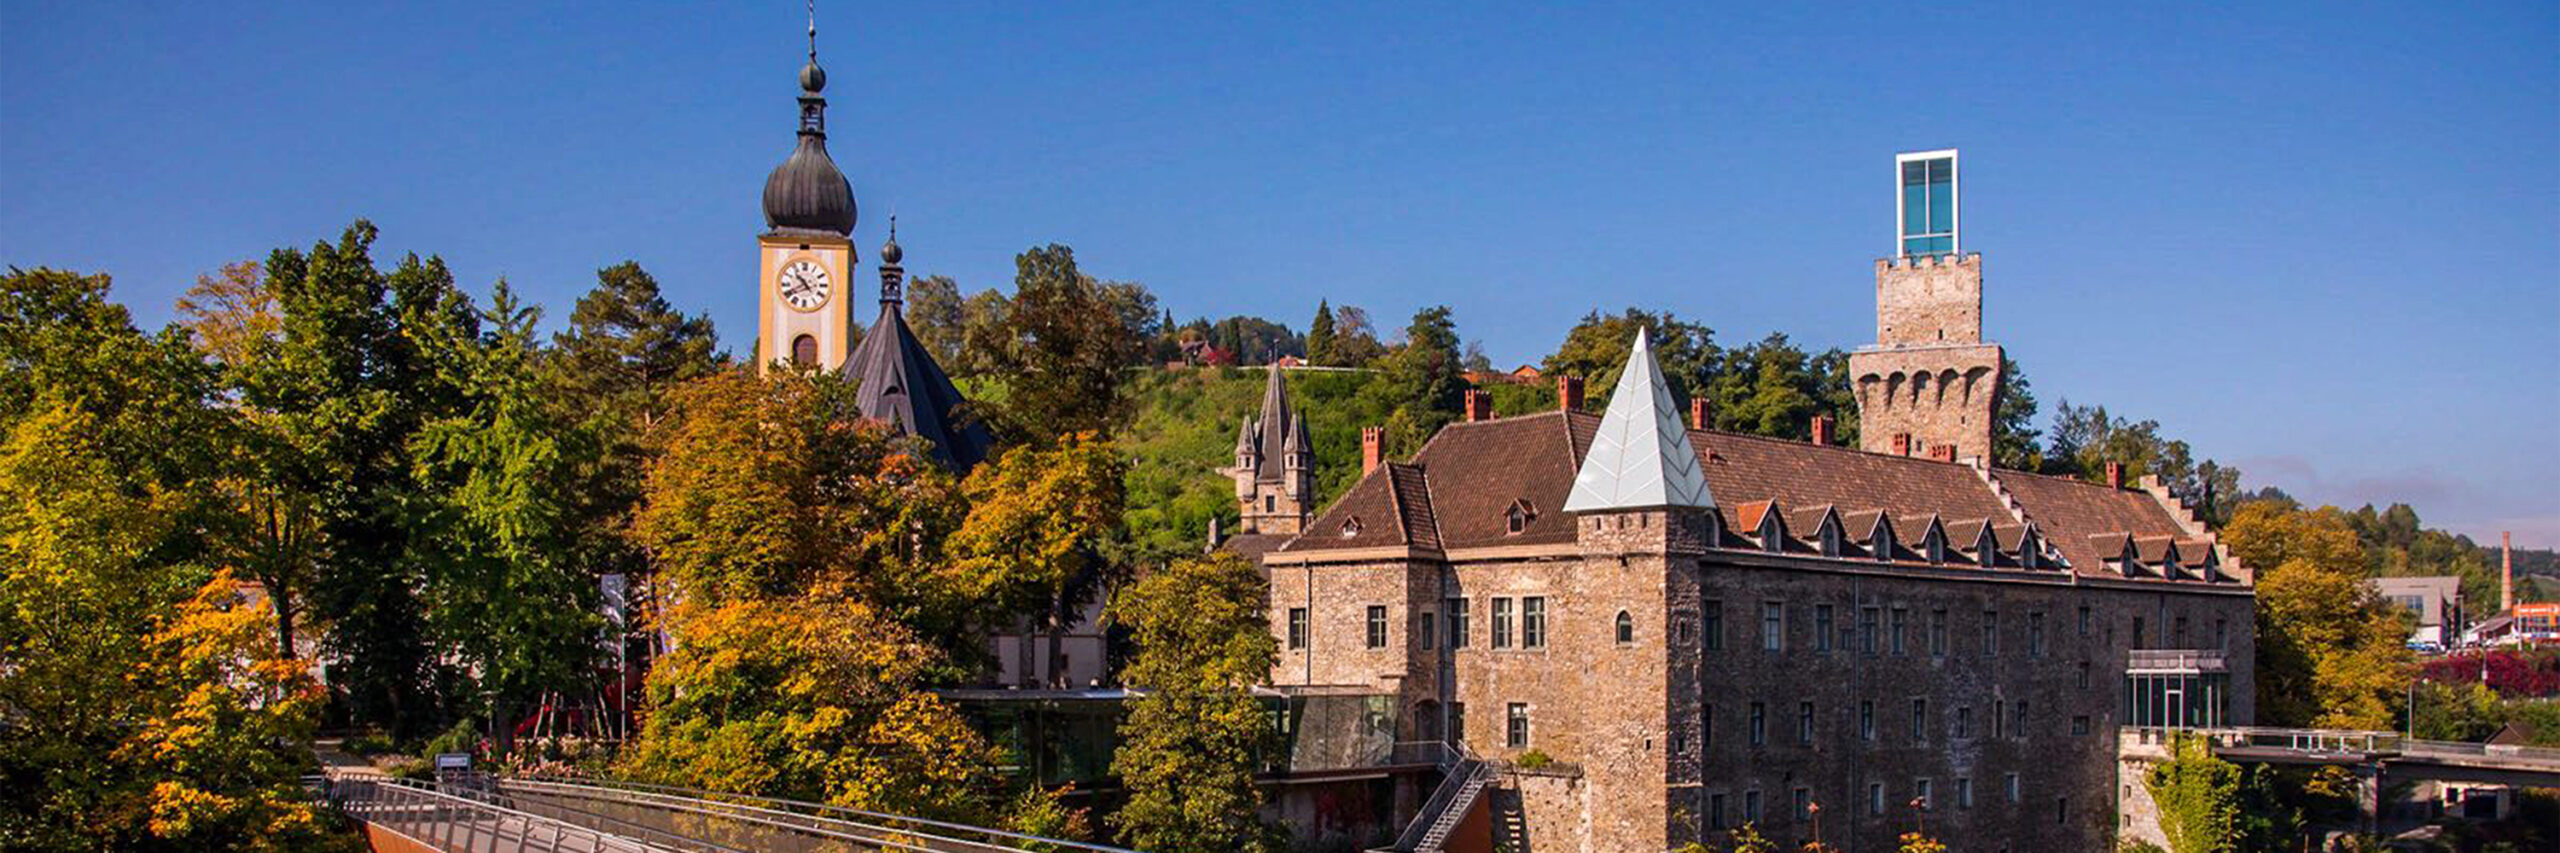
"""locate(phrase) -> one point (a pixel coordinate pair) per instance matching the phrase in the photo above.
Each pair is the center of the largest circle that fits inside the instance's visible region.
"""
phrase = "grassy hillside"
(1182, 429)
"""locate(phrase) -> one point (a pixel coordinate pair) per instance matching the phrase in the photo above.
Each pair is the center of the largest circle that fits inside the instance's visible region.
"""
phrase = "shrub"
(1534, 760)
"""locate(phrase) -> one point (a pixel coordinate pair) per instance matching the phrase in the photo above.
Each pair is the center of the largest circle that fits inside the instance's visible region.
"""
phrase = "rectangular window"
(1457, 722)
(2010, 782)
(1679, 742)
(1502, 623)
(1900, 616)
(1422, 629)
(2084, 675)
(1938, 632)
(1457, 623)
(2080, 724)
(1964, 721)
(1377, 626)
(1822, 627)
(1803, 809)
(1713, 614)
(2221, 633)
(1759, 723)
(1919, 720)
(2035, 634)
(2178, 633)
(1927, 205)
(1773, 626)
(1867, 629)
(2061, 810)
(1751, 807)
(1515, 731)
(1875, 798)
(2084, 620)
(1867, 721)
(1999, 714)
(2020, 727)
(1715, 811)
(1533, 622)
(1804, 722)
(1964, 792)
(1685, 628)
(1707, 727)
(1990, 633)
(2138, 637)
(1920, 790)
(1297, 627)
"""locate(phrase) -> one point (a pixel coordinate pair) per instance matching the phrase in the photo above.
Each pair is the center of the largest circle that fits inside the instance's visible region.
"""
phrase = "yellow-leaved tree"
(2330, 650)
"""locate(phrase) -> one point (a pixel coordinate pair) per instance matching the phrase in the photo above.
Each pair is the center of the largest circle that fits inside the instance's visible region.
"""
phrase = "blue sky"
(2320, 241)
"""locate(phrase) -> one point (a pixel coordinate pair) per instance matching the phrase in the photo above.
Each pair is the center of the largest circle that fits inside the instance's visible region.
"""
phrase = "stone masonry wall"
(1938, 395)
(1929, 300)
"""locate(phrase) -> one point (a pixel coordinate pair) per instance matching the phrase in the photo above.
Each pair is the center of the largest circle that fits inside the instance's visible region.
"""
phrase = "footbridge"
(492, 814)
(2381, 753)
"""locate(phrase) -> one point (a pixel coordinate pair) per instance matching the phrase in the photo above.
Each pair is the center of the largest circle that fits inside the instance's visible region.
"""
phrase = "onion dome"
(807, 192)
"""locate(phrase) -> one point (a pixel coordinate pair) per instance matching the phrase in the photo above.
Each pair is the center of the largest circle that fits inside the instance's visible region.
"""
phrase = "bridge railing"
(447, 821)
(2486, 751)
(762, 823)
(2350, 743)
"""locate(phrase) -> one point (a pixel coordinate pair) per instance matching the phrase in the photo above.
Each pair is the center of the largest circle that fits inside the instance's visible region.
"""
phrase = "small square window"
(2080, 724)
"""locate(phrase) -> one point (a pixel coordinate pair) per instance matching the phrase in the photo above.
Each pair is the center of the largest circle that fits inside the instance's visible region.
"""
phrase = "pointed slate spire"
(1641, 458)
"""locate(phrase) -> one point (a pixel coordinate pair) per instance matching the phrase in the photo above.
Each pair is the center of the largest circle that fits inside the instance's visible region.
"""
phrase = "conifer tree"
(1320, 336)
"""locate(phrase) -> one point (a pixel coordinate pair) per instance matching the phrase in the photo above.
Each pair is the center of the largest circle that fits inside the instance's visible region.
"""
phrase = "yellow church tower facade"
(805, 259)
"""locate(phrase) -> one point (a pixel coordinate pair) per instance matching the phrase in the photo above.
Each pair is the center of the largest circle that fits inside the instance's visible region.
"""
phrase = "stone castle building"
(1661, 632)
(1275, 470)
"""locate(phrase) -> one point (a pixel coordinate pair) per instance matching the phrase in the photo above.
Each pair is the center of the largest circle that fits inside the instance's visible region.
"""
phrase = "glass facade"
(1929, 205)
(2177, 700)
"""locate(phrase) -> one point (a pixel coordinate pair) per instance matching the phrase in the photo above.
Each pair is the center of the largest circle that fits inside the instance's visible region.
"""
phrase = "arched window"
(804, 351)
(1626, 628)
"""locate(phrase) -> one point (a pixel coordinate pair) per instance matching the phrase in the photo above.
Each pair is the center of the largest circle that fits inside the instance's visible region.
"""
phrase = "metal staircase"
(1463, 780)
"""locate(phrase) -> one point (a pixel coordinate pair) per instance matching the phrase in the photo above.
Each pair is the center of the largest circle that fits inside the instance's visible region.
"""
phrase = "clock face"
(802, 285)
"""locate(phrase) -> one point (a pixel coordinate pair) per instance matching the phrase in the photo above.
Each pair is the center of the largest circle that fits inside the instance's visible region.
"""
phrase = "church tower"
(1275, 470)
(805, 258)
(1930, 385)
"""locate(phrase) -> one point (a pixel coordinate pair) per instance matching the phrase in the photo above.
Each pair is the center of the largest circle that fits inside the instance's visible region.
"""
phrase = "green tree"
(1774, 388)
(1195, 734)
(934, 311)
(2014, 437)
(1422, 379)
(512, 586)
(1320, 335)
(1355, 341)
(1059, 348)
(1596, 350)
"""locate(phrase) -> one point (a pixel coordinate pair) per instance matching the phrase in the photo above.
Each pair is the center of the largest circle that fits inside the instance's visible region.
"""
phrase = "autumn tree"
(1059, 349)
(2330, 652)
(1194, 734)
(1355, 341)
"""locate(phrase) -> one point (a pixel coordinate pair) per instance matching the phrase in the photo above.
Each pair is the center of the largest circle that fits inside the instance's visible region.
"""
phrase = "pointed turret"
(1275, 464)
(898, 381)
(1640, 458)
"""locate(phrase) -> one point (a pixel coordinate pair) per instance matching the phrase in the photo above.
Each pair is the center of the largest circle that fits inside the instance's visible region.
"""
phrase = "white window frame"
(1955, 200)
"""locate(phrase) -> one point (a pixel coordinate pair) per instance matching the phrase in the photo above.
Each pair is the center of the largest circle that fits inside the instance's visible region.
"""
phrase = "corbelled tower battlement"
(1931, 385)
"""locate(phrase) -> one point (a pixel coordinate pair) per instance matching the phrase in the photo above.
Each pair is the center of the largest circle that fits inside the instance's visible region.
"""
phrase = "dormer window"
(1773, 538)
(1517, 517)
(1830, 539)
(1350, 527)
(1935, 546)
(1883, 543)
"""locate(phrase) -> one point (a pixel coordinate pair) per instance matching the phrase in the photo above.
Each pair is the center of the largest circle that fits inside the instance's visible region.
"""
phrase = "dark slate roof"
(900, 383)
(1252, 546)
(807, 193)
(1276, 433)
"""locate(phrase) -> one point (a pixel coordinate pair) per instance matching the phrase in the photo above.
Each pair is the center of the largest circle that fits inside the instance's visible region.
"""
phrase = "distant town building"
(2436, 602)
(1670, 631)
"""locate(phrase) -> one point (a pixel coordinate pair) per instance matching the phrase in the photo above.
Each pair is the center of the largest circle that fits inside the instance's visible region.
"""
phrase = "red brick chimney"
(1479, 405)
(2506, 571)
(1901, 444)
(1942, 452)
(1702, 414)
(1373, 448)
(1569, 393)
(2115, 475)
(1822, 429)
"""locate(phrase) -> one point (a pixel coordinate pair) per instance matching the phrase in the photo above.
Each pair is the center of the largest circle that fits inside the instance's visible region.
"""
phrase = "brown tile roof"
(1458, 490)
(2071, 512)
(1252, 546)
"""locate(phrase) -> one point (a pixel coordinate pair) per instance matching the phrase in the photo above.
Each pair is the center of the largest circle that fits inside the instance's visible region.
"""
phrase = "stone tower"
(1275, 469)
(1930, 385)
(805, 257)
